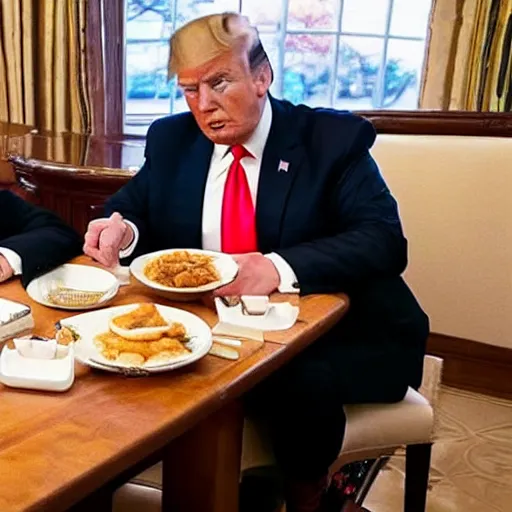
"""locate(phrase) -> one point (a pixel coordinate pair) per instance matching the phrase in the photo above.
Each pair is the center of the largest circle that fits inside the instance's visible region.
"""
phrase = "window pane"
(307, 69)
(403, 72)
(359, 61)
(312, 14)
(270, 43)
(266, 14)
(191, 9)
(356, 16)
(147, 89)
(145, 23)
(147, 53)
(410, 18)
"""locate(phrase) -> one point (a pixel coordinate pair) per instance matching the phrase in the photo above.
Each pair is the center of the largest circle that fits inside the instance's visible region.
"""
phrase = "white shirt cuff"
(288, 280)
(13, 258)
(124, 253)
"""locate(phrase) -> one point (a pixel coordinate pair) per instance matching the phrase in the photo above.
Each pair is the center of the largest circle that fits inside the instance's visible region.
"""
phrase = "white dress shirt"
(214, 194)
(13, 258)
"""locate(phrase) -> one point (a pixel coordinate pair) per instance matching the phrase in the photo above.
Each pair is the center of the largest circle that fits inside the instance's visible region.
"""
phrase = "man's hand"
(257, 275)
(6, 271)
(105, 238)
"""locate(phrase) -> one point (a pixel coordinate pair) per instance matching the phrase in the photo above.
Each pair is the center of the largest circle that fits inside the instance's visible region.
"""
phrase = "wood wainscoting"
(437, 122)
(474, 366)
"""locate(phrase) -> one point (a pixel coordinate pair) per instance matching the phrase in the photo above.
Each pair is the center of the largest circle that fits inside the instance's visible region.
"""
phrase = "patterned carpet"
(471, 462)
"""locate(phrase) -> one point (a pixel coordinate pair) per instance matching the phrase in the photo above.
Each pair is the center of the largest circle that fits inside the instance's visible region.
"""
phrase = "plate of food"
(74, 287)
(137, 339)
(184, 274)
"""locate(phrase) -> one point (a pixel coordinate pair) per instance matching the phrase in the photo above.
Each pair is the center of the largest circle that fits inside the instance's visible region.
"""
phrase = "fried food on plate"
(65, 335)
(143, 323)
(182, 269)
(142, 336)
(113, 345)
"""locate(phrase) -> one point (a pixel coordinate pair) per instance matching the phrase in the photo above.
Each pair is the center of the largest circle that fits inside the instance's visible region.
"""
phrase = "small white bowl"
(56, 374)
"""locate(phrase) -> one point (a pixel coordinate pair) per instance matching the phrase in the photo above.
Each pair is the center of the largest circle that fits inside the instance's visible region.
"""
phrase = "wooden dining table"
(70, 450)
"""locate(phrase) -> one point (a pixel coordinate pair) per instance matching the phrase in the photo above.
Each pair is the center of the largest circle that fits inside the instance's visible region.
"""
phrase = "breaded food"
(142, 336)
(145, 323)
(146, 315)
(182, 269)
(65, 335)
(130, 359)
(112, 345)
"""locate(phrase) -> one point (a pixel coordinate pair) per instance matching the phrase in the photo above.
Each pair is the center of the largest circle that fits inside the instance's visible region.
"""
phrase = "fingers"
(116, 217)
(232, 289)
(6, 271)
(94, 230)
(103, 239)
(98, 255)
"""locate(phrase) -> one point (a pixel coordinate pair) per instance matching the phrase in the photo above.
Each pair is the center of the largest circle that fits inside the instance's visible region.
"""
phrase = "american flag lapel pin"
(283, 166)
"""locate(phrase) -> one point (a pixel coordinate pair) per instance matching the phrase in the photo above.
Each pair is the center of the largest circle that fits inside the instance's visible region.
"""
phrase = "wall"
(455, 197)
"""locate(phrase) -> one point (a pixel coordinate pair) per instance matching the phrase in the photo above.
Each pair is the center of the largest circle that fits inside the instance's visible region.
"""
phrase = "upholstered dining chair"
(373, 431)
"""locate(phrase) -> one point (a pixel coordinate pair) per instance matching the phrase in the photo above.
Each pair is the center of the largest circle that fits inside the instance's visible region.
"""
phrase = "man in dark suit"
(294, 193)
(32, 240)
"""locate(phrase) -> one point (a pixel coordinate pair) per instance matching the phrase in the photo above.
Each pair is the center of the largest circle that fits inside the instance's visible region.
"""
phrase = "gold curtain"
(469, 63)
(43, 65)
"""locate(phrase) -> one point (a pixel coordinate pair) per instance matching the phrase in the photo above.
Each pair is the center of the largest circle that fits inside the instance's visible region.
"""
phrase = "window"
(349, 54)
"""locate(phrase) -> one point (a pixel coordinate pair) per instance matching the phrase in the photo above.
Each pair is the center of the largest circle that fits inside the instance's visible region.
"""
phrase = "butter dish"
(37, 369)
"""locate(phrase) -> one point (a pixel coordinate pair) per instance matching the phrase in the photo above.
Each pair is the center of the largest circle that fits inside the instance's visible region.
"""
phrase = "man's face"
(225, 98)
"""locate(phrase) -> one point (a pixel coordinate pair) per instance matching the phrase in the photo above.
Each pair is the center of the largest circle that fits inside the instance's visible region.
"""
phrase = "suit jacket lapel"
(189, 191)
(282, 159)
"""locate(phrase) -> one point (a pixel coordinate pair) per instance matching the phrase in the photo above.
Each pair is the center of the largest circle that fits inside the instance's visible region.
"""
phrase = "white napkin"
(35, 348)
(232, 322)
(122, 274)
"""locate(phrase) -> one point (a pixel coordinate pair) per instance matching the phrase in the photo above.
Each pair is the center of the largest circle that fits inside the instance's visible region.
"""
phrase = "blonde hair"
(204, 39)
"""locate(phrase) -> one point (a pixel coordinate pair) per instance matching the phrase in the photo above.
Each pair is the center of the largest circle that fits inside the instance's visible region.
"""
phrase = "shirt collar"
(256, 142)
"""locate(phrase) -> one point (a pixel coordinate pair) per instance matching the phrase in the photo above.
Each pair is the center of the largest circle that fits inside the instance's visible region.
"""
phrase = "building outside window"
(346, 54)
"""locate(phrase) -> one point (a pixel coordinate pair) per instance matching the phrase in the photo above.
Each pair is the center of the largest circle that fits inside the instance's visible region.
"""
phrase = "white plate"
(89, 325)
(81, 277)
(225, 264)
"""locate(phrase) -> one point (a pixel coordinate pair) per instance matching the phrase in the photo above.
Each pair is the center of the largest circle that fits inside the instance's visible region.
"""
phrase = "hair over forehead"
(204, 39)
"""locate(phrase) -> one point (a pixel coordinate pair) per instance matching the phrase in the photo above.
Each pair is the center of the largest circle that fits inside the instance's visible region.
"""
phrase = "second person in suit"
(33, 240)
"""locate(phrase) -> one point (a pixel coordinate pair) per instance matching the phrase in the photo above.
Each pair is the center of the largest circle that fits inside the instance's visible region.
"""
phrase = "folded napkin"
(232, 322)
(122, 274)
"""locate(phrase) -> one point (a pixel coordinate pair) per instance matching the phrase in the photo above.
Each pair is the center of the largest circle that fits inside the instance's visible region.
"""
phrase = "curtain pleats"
(474, 73)
(43, 64)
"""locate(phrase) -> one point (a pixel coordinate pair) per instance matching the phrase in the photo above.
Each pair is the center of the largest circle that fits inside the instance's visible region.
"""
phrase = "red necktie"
(238, 225)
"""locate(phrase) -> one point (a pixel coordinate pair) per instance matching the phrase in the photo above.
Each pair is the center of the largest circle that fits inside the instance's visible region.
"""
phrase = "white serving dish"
(40, 374)
(226, 266)
(80, 277)
(90, 324)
